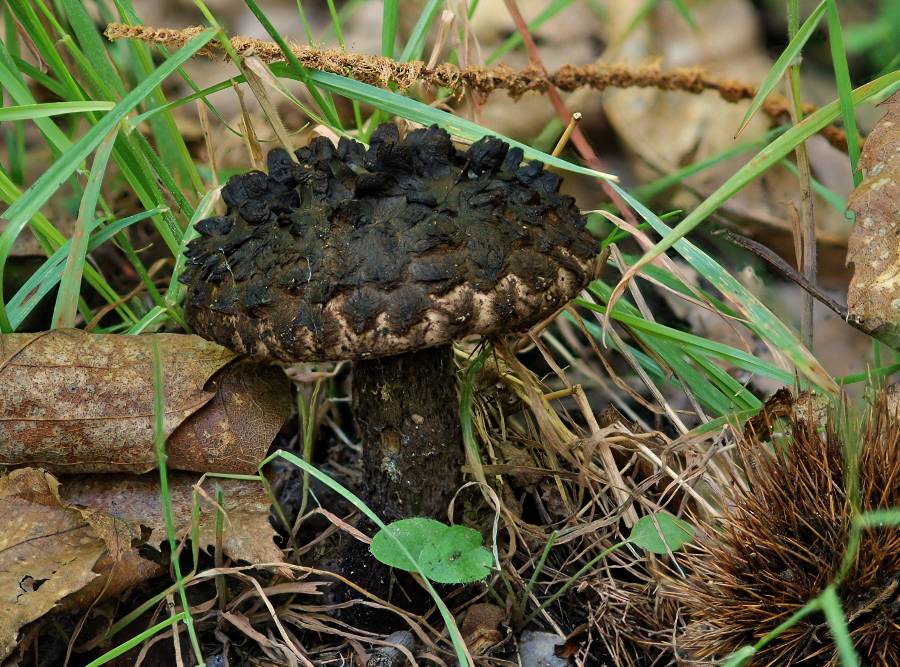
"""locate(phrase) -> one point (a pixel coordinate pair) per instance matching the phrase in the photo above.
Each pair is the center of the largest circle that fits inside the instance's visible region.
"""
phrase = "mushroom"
(385, 256)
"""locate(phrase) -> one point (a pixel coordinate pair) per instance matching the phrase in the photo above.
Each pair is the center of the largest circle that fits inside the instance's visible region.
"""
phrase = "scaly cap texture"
(357, 253)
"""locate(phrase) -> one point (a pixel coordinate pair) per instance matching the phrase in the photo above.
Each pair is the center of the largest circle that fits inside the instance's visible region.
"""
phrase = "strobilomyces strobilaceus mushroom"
(385, 256)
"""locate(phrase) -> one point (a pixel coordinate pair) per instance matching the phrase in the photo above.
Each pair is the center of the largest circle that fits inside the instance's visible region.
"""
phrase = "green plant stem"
(129, 644)
(807, 221)
(307, 416)
(537, 570)
(844, 86)
(161, 456)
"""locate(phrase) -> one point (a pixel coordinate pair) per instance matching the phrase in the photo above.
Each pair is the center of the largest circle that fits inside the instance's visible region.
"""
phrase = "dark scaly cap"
(357, 253)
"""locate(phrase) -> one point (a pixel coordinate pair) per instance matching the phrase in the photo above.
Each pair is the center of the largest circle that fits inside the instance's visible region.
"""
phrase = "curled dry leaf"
(47, 551)
(481, 627)
(73, 401)
(135, 498)
(874, 246)
(66, 545)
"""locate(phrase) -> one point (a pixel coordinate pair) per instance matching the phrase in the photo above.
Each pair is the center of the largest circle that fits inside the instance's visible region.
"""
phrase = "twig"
(384, 72)
(566, 135)
(794, 276)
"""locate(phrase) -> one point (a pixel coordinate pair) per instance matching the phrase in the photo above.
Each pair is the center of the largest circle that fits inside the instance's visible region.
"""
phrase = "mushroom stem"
(412, 442)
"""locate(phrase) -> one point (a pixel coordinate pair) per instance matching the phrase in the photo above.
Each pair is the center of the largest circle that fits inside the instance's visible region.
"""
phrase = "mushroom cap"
(356, 253)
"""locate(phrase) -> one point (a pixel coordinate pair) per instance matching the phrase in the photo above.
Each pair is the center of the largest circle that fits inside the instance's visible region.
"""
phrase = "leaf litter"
(73, 542)
(84, 403)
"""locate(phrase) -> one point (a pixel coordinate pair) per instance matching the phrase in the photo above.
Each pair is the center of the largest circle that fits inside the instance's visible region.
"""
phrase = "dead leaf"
(481, 627)
(232, 432)
(874, 246)
(73, 401)
(47, 551)
(69, 544)
(133, 499)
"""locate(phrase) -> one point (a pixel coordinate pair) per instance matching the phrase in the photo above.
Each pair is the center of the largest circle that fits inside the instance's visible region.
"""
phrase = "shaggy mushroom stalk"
(404, 406)
(384, 256)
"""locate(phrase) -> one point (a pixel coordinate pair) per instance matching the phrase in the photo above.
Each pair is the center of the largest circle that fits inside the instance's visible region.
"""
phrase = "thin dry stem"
(384, 72)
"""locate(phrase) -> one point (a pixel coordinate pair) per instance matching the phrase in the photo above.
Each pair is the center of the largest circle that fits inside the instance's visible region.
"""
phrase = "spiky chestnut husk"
(357, 253)
(782, 541)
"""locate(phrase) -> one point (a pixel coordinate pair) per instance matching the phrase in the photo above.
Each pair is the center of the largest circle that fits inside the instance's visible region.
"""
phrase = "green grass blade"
(389, 27)
(47, 109)
(66, 306)
(46, 45)
(123, 648)
(758, 318)
(167, 136)
(845, 88)
(198, 94)
(48, 274)
(415, 45)
(306, 27)
(93, 47)
(159, 438)
(742, 398)
(325, 104)
(20, 212)
(837, 623)
(125, 153)
(770, 155)
(515, 40)
(39, 77)
(339, 33)
(702, 345)
(14, 85)
(650, 190)
(879, 518)
(834, 200)
(50, 240)
(788, 56)
(682, 9)
(128, 16)
(176, 290)
(426, 115)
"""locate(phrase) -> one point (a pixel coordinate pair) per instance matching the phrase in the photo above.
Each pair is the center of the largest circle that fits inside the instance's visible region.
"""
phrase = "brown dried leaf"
(47, 551)
(481, 627)
(233, 431)
(874, 246)
(136, 499)
(68, 545)
(70, 400)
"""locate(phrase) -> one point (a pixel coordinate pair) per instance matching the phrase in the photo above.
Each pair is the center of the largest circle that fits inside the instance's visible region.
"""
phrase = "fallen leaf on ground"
(73, 401)
(135, 498)
(481, 627)
(47, 551)
(68, 544)
(874, 246)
